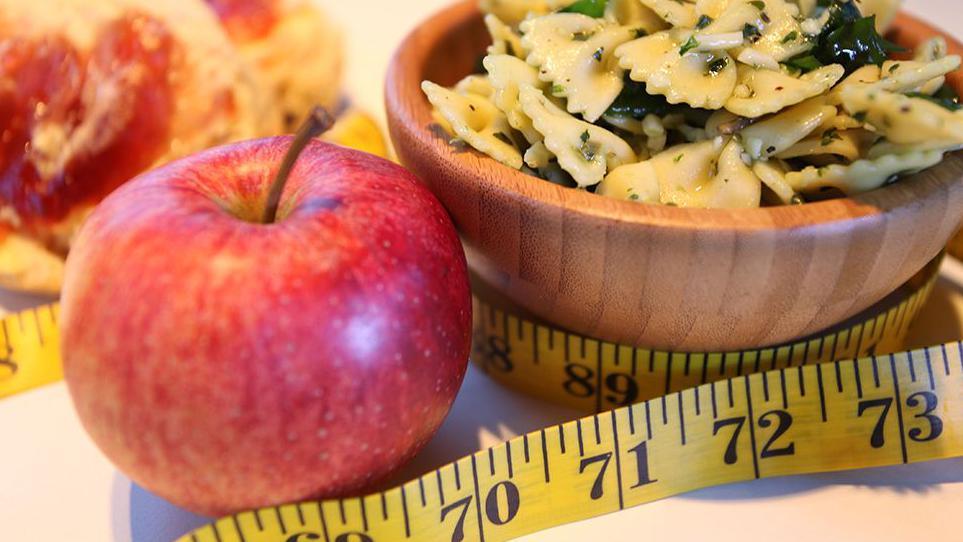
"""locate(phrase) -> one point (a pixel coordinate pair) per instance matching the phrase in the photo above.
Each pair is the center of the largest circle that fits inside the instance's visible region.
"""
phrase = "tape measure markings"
(686, 421)
(563, 367)
(605, 462)
(6, 361)
(31, 350)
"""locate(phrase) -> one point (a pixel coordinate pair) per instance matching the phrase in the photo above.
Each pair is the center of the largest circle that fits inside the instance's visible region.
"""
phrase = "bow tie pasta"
(761, 91)
(861, 175)
(507, 75)
(676, 65)
(778, 33)
(905, 120)
(516, 11)
(710, 173)
(574, 53)
(705, 103)
(477, 121)
(780, 132)
(635, 14)
(884, 10)
(584, 150)
(680, 14)
(505, 41)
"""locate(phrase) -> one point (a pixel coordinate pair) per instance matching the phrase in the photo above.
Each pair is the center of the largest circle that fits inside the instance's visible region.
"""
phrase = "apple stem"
(318, 122)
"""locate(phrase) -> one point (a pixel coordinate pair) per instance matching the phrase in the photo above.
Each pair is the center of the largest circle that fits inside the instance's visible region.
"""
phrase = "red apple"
(226, 364)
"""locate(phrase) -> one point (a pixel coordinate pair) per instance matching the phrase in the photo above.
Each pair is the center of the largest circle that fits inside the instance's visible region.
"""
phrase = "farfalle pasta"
(681, 78)
(505, 40)
(575, 53)
(584, 150)
(507, 74)
(705, 103)
(474, 119)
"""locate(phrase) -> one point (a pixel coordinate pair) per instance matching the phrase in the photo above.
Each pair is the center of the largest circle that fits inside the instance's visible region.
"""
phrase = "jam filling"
(77, 125)
(246, 20)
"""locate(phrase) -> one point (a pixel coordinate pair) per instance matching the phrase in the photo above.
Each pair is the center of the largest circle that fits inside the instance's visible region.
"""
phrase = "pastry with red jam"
(94, 93)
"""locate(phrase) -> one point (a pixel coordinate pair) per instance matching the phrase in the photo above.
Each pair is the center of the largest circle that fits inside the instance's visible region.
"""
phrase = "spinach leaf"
(689, 45)
(635, 102)
(751, 33)
(592, 8)
(946, 92)
(946, 98)
(848, 39)
(854, 45)
(804, 63)
(841, 12)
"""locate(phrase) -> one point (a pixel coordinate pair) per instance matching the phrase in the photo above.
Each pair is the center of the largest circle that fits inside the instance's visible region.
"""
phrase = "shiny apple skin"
(225, 365)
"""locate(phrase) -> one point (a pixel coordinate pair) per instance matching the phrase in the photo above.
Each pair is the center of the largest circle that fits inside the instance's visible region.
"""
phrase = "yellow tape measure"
(30, 351)
(547, 362)
(888, 410)
(739, 416)
(743, 416)
(554, 365)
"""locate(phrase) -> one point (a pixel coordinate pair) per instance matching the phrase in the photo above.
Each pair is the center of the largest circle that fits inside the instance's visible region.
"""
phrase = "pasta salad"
(705, 103)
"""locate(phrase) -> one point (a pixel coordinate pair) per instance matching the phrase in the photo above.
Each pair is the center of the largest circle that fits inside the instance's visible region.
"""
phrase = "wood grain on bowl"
(655, 276)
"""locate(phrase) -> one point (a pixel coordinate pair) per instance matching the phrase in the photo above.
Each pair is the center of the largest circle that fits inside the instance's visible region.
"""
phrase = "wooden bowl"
(655, 276)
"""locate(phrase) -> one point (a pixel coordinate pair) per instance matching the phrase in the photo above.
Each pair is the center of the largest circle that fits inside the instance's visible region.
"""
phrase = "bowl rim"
(409, 110)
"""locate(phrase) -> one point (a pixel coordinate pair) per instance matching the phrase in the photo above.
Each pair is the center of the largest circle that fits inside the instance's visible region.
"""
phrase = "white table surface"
(55, 485)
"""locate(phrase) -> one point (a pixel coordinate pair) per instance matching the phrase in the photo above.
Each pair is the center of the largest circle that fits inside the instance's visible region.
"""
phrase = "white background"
(55, 486)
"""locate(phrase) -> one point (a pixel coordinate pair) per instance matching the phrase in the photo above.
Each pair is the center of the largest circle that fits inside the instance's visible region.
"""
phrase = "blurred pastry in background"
(295, 48)
(93, 93)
